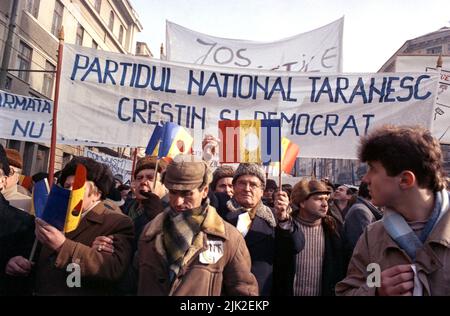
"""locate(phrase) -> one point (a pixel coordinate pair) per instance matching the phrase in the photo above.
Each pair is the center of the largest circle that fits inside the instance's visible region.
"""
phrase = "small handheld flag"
(289, 153)
(63, 207)
(175, 140)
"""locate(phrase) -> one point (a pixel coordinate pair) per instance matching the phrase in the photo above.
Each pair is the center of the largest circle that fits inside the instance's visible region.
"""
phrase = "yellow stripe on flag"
(74, 209)
(182, 143)
(250, 141)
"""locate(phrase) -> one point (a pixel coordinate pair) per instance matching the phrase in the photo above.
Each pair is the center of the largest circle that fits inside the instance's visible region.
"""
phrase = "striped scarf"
(399, 230)
(179, 230)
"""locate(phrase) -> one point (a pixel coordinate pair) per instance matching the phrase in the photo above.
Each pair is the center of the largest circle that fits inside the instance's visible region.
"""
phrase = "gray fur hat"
(252, 169)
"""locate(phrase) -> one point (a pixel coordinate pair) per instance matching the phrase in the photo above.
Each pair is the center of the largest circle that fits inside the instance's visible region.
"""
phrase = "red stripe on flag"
(229, 128)
(290, 157)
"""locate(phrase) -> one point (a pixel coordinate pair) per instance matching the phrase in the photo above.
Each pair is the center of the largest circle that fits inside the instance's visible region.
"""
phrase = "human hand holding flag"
(62, 211)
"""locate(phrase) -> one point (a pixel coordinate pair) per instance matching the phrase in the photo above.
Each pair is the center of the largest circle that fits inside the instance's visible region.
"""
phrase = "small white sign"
(213, 253)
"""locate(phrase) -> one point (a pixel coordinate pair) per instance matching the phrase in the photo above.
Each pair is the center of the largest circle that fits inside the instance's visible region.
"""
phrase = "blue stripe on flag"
(40, 196)
(154, 140)
(169, 132)
(270, 141)
(56, 207)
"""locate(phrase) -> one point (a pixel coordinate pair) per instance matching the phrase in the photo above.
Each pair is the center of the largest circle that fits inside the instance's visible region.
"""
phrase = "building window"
(8, 83)
(24, 61)
(80, 35)
(47, 86)
(94, 44)
(97, 5)
(111, 21)
(32, 6)
(121, 34)
(434, 50)
(57, 18)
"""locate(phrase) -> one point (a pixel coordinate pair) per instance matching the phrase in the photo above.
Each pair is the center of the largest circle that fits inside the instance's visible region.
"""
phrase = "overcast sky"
(373, 30)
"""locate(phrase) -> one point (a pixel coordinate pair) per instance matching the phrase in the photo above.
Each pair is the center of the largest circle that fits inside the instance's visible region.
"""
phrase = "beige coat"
(99, 270)
(230, 275)
(376, 246)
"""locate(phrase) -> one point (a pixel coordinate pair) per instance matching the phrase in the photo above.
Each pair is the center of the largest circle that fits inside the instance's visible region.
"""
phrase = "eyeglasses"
(244, 184)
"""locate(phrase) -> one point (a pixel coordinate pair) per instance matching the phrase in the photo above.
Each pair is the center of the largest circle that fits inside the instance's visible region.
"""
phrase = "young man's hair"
(400, 148)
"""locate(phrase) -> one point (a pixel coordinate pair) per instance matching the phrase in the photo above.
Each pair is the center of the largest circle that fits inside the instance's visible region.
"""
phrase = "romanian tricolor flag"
(250, 141)
(153, 143)
(289, 153)
(175, 140)
(39, 197)
(63, 207)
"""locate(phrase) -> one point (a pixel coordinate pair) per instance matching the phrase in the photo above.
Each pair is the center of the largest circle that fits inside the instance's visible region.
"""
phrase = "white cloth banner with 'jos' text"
(25, 118)
(319, 50)
(116, 100)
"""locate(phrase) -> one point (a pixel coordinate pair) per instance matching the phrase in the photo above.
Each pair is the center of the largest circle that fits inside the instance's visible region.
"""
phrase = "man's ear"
(2, 182)
(407, 179)
(302, 205)
(205, 191)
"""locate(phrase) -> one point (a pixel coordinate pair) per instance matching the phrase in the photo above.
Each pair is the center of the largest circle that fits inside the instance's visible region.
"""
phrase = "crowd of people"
(181, 229)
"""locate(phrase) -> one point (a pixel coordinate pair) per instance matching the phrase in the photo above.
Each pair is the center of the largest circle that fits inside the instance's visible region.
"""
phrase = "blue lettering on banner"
(17, 102)
(240, 86)
(151, 112)
(27, 129)
(387, 88)
(321, 124)
(229, 117)
(111, 72)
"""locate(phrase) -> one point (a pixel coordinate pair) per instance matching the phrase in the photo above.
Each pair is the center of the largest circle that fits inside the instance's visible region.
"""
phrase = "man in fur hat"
(99, 270)
(262, 228)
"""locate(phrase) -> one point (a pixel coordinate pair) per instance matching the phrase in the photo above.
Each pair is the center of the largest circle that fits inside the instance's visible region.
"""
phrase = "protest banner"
(441, 117)
(319, 50)
(25, 118)
(121, 168)
(121, 98)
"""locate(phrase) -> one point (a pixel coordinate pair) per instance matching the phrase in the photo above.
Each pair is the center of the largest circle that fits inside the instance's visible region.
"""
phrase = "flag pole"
(279, 155)
(51, 171)
(134, 162)
(156, 175)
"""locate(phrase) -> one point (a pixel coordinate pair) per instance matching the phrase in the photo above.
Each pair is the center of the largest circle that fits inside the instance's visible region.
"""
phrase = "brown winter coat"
(230, 275)
(99, 270)
(376, 246)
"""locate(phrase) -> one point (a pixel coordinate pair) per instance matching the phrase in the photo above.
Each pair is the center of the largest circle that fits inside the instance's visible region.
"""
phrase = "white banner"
(441, 118)
(319, 50)
(117, 100)
(25, 118)
(121, 168)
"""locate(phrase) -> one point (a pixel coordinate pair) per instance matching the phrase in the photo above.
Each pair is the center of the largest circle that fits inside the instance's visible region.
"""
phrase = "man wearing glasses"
(265, 230)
